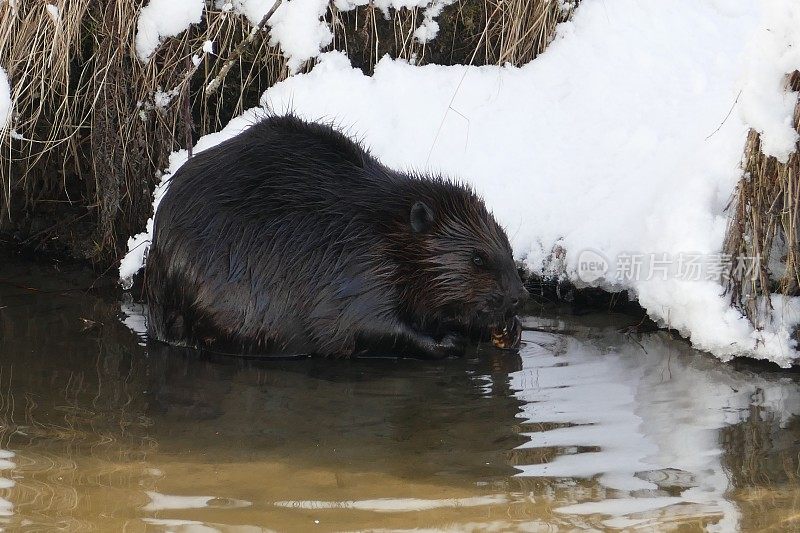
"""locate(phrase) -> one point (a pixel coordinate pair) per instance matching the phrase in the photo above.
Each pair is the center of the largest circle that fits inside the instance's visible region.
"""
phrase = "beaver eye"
(477, 260)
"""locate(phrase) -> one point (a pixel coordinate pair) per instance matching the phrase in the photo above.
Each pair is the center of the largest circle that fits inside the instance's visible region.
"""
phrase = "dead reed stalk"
(517, 31)
(764, 224)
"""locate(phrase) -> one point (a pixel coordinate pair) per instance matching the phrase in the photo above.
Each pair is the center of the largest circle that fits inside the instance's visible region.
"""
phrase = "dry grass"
(491, 32)
(37, 52)
(87, 131)
(764, 224)
(518, 30)
(89, 138)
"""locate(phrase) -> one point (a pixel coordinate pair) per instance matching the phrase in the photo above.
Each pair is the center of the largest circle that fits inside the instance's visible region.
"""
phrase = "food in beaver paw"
(509, 335)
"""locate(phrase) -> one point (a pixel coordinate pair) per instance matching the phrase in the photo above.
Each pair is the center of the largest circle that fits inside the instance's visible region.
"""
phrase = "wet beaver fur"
(291, 237)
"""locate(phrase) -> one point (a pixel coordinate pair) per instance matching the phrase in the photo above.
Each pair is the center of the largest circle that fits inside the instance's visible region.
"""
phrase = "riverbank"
(614, 158)
(604, 175)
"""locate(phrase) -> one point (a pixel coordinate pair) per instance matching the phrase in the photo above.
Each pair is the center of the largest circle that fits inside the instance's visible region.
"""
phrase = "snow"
(429, 28)
(619, 139)
(253, 10)
(164, 18)
(162, 99)
(773, 53)
(5, 100)
(54, 13)
(298, 28)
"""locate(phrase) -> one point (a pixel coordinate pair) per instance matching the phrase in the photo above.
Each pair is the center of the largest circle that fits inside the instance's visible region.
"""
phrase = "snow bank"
(5, 100)
(773, 53)
(617, 142)
(164, 18)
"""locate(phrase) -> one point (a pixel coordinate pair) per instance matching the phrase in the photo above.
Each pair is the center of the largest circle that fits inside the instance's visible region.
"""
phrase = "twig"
(214, 84)
(726, 116)
(187, 111)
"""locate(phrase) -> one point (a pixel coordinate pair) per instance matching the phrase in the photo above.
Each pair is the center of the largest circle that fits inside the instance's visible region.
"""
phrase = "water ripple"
(647, 417)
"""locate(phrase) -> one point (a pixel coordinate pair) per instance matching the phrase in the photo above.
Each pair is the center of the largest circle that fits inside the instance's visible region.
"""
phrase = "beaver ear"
(421, 217)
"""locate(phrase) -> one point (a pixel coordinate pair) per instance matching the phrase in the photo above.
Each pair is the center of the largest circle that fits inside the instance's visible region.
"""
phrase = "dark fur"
(292, 237)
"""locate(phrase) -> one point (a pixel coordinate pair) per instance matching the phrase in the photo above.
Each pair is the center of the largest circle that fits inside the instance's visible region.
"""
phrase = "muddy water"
(588, 427)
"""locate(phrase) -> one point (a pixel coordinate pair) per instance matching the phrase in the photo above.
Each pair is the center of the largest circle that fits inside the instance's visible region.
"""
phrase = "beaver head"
(459, 269)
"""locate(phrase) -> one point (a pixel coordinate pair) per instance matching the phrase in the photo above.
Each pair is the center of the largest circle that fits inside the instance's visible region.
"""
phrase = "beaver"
(291, 237)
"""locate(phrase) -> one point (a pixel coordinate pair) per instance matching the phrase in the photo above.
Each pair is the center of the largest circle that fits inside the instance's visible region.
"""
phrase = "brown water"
(588, 428)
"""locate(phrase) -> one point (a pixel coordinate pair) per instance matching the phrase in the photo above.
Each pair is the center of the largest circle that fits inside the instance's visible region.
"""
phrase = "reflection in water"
(586, 428)
(162, 502)
(649, 415)
(6, 465)
(393, 505)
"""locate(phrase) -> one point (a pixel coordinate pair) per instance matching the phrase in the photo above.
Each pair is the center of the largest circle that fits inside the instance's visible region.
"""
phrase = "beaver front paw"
(451, 344)
(425, 345)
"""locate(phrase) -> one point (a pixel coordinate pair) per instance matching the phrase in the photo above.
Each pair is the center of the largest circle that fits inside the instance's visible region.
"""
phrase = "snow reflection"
(642, 418)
